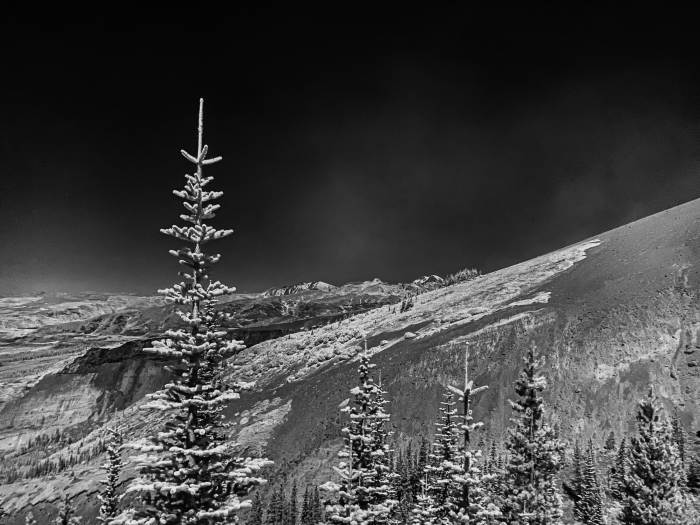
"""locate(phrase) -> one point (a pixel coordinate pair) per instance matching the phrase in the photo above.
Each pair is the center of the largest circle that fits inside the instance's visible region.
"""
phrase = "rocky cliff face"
(86, 392)
(611, 315)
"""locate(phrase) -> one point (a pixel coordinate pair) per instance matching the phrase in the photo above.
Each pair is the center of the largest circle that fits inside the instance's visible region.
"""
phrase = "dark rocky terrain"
(611, 315)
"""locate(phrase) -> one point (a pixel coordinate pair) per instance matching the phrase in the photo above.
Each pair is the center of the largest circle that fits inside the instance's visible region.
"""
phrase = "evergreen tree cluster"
(407, 476)
(450, 481)
(283, 508)
(407, 303)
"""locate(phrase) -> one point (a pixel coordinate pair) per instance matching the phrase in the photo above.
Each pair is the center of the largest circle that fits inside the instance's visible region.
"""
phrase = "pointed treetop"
(200, 128)
(200, 158)
(468, 385)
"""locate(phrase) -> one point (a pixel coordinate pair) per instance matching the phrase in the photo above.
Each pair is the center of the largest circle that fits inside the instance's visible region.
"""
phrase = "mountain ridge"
(611, 314)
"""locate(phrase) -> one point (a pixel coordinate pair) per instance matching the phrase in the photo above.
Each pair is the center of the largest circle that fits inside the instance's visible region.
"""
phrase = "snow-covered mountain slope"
(610, 315)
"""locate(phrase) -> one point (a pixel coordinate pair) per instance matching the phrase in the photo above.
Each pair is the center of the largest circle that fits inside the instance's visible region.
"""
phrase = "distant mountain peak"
(298, 288)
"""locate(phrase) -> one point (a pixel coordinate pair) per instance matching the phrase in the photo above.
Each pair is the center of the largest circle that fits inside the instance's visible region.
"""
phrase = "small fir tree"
(109, 498)
(618, 472)
(530, 491)
(678, 436)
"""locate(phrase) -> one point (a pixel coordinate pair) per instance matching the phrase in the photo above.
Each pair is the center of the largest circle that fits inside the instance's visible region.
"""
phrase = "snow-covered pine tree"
(678, 436)
(189, 473)
(109, 498)
(590, 508)
(534, 456)
(618, 471)
(425, 511)
(364, 494)
(652, 492)
(491, 461)
(442, 492)
(578, 483)
(473, 504)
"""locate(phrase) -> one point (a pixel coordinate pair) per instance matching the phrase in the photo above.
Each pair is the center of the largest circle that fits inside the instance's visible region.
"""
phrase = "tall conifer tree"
(445, 462)
(189, 474)
(652, 485)
(590, 500)
(531, 494)
(473, 503)
(364, 494)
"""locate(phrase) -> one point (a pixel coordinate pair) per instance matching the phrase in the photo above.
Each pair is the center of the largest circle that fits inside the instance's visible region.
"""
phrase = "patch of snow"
(261, 421)
(542, 297)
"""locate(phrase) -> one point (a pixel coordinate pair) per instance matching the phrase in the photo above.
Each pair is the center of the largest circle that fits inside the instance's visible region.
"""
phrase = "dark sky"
(356, 144)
